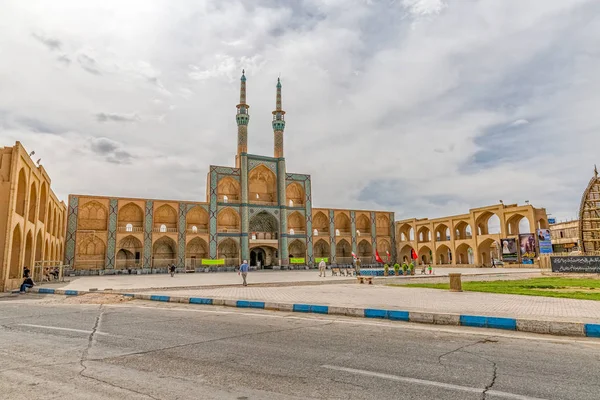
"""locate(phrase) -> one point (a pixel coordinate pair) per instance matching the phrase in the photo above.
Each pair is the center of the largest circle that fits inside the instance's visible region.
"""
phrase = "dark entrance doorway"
(257, 257)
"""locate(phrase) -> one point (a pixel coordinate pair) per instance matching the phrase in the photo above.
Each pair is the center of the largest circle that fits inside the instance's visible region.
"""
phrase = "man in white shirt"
(322, 267)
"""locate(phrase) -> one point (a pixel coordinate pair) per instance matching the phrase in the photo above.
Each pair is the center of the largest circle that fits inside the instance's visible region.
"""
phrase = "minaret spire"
(242, 118)
(278, 123)
(595, 171)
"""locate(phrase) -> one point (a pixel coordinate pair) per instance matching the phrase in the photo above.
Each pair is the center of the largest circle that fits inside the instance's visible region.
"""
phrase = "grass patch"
(571, 288)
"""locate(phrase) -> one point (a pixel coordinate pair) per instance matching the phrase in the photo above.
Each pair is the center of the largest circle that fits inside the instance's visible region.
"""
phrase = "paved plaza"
(294, 277)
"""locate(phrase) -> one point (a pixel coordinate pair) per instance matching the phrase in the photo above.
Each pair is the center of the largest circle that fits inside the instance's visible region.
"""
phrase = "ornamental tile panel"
(148, 220)
(111, 243)
(71, 230)
(393, 237)
(373, 231)
(309, 230)
(332, 235)
(353, 230)
(212, 215)
(297, 177)
(253, 163)
(181, 236)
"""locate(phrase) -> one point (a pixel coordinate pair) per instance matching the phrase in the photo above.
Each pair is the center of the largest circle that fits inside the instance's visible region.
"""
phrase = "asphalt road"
(143, 350)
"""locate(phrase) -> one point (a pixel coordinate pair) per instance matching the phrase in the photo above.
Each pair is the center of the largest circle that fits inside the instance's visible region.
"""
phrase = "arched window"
(291, 203)
(163, 228)
(337, 232)
(316, 232)
(291, 231)
(194, 229)
(225, 200)
(129, 228)
(357, 232)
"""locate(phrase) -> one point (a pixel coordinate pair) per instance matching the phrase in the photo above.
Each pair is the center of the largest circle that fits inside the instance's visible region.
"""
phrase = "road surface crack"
(85, 355)
(483, 341)
(491, 384)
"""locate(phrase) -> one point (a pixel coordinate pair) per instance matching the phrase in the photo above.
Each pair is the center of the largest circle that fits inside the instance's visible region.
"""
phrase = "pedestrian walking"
(244, 271)
(172, 270)
(322, 268)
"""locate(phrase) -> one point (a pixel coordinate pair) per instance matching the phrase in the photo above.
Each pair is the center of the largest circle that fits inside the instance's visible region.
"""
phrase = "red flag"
(413, 254)
(377, 258)
(388, 255)
(353, 255)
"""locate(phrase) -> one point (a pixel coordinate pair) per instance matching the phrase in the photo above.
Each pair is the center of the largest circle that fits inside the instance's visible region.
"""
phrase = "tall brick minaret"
(278, 123)
(242, 118)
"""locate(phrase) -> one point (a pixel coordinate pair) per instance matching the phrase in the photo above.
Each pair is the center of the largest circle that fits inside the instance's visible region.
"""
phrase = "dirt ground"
(89, 298)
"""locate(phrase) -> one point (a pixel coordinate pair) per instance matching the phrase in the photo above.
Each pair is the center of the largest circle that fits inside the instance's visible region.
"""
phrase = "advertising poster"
(527, 247)
(545, 241)
(510, 252)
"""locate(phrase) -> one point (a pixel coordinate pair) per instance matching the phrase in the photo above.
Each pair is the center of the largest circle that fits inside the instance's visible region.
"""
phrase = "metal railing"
(228, 230)
(264, 235)
(132, 229)
(165, 230)
(263, 203)
(198, 230)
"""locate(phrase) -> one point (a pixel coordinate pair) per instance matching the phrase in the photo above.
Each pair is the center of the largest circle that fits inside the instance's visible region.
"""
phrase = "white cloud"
(410, 105)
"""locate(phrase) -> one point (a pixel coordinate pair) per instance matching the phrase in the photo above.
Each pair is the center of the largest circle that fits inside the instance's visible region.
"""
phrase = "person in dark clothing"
(26, 272)
(27, 283)
(172, 270)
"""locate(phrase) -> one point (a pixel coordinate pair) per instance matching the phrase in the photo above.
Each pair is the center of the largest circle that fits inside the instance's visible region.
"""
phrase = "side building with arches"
(32, 218)
(471, 239)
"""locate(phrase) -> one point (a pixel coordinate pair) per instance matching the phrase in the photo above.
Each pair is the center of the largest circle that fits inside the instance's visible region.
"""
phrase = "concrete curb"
(559, 328)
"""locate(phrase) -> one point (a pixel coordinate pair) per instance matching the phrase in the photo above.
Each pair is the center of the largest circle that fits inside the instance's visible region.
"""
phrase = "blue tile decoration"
(111, 244)
(71, 230)
(148, 221)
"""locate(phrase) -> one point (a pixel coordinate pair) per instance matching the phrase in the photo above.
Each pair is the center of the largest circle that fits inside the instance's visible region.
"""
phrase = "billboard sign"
(510, 252)
(545, 241)
(527, 247)
(577, 264)
(551, 221)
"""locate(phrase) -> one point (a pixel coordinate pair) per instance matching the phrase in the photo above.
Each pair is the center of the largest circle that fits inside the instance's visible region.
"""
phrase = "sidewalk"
(281, 278)
(409, 299)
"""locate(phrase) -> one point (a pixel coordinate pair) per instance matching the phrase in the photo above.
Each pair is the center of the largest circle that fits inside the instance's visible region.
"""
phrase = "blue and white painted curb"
(479, 321)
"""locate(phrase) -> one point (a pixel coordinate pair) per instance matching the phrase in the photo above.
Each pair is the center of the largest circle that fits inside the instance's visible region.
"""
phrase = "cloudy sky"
(422, 107)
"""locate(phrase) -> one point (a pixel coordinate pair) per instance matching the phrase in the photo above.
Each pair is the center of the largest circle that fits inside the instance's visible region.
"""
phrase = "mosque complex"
(255, 210)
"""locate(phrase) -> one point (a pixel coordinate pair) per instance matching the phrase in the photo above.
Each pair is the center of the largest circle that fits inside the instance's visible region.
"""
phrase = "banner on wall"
(545, 241)
(319, 259)
(510, 252)
(527, 247)
(206, 261)
(297, 260)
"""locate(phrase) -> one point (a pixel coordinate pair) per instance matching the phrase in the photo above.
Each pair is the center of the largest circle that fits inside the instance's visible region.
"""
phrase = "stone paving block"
(567, 328)
(279, 306)
(446, 319)
(534, 326)
(219, 302)
(421, 317)
(338, 310)
(230, 303)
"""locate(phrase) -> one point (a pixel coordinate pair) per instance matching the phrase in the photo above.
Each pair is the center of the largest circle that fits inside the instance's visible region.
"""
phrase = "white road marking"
(424, 382)
(396, 325)
(63, 329)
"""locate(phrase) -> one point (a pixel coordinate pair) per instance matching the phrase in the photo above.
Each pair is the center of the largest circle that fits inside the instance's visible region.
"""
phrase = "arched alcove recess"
(384, 247)
(15, 253)
(382, 223)
(365, 251)
(21, 193)
(487, 250)
(39, 244)
(518, 224)
(129, 253)
(425, 255)
(321, 249)
(164, 252)
(167, 216)
(197, 217)
(43, 201)
(488, 223)
(297, 249)
(264, 226)
(542, 223)
(92, 216)
(321, 223)
(132, 214)
(342, 223)
(229, 187)
(262, 186)
(343, 252)
(297, 222)
(195, 251)
(33, 201)
(28, 259)
(424, 234)
(405, 253)
(47, 250)
(462, 254)
(406, 233)
(363, 224)
(229, 251)
(443, 254)
(91, 252)
(228, 220)
(295, 193)
(442, 233)
(462, 231)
